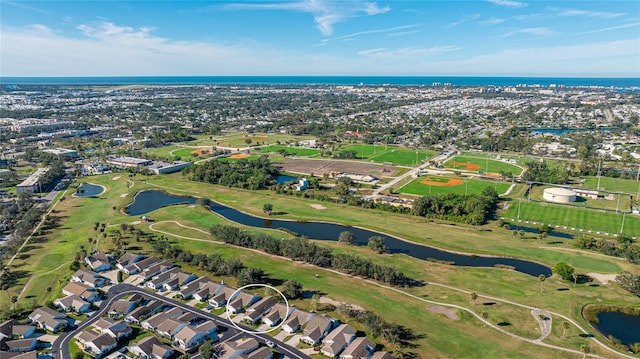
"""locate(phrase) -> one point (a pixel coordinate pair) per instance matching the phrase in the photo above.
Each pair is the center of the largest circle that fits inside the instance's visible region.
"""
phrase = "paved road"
(60, 347)
(544, 320)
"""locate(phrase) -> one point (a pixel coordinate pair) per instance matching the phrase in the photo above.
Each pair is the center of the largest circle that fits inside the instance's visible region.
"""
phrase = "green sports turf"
(469, 186)
(487, 165)
(629, 186)
(402, 156)
(290, 150)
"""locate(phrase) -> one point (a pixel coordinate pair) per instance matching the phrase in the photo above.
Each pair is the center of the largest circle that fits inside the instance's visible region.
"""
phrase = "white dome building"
(559, 195)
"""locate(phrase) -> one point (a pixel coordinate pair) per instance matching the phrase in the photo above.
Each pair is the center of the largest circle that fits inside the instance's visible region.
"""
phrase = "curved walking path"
(545, 328)
(24, 288)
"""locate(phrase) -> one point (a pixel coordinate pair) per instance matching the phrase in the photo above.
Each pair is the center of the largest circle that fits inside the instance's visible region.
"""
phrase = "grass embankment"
(463, 338)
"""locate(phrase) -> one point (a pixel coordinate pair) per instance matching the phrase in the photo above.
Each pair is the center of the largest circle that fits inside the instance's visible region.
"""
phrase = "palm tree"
(542, 278)
(585, 350)
(575, 278)
(565, 327)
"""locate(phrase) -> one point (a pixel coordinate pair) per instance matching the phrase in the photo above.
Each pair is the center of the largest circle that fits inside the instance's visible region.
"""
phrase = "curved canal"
(147, 201)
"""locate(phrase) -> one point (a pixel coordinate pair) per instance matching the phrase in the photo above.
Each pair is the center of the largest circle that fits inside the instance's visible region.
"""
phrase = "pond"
(625, 327)
(282, 179)
(536, 231)
(147, 201)
(88, 190)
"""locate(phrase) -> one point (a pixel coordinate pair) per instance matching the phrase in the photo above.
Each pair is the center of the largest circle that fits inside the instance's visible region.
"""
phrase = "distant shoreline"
(616, 82)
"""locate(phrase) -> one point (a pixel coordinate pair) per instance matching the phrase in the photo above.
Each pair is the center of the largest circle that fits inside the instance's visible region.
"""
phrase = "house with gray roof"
(49, 319)
(151, 348)
(360, 348)
(316, 329)
(337, 340)
(72, 303)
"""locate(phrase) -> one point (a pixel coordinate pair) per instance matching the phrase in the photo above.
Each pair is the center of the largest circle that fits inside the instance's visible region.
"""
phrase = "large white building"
(32, 183)
(559, 195)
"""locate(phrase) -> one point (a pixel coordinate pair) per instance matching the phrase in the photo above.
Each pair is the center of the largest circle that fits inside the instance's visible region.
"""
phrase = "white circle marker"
(248, 331)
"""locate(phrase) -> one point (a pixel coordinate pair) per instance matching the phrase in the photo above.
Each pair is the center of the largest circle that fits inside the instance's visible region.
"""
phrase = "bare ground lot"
(320, 167)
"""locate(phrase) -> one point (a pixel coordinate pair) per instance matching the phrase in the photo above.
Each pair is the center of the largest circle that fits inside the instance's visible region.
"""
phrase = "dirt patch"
(327, 300)
(320, 167)
(463, 166)
(239, 155)
(603, 278)
(441, 182)
(136, 222)
(115, 178)
(450, 313)
(318, 206)
(124, 195)
(201, 152)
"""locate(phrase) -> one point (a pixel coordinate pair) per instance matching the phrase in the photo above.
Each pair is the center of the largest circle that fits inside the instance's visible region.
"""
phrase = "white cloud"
(615, 58)
(464, 19)
(325, 13)
(509, 3)
(536, 31)
(493, 21)
(368, 32)
(397, 54)
(611, 28)
(585, 13)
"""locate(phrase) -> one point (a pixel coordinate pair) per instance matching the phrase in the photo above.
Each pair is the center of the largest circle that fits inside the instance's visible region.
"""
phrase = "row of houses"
(16, 338)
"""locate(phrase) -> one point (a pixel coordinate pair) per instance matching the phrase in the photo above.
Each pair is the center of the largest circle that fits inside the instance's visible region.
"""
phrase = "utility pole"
(599, 163)
(618, 203)
(622, 226)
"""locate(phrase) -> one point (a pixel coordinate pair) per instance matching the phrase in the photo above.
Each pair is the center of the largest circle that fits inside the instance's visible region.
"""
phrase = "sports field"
(483, 164)
(426, 185)
(304, 152)
(612, 184)
(572, 217)
(396, 155)
(624, 204)
(239, 156)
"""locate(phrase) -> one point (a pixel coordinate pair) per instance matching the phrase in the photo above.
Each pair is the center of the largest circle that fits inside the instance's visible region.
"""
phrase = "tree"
(267, 208)
(565, 327)
(585, 350)
(474, 297)
(119, 276)
(315, 301)
(575, 276)
(292, 289)
(248, 276)
(203, 202)
(542, 278)
(206, 350)
(376, 243)
(346, 237)
(630, 282)
(78, 355)
(564, 270)
(14, 299)
(542, 236)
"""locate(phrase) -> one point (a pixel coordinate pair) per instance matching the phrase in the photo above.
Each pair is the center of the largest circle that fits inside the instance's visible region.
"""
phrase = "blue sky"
(320, 37)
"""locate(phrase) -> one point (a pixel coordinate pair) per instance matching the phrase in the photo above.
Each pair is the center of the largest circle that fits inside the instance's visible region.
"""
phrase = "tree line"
(623, 247)
(302, 249)
(471, 209)
(253, 175)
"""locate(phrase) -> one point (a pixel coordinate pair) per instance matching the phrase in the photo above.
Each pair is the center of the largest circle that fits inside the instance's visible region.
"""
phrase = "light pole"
(519, 205)
(622, 226)
(599, 163)
(618, 203)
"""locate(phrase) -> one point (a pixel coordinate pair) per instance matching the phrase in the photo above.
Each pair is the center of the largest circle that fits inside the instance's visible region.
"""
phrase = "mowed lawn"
(629, 186)
(486, 165)
(290, 150)
(403, 156)
(586, 219)
(162, 152)
(395, 155)
(468, 186)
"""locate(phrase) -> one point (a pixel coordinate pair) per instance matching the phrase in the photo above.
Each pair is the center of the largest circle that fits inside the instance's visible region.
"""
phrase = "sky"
(578, 38)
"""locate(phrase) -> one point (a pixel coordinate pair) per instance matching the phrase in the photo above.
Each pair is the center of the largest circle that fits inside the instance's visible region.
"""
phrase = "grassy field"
(483, 164)
(238, 140)
(441, 337)
(467, 186)
(572, 217)
(628, 186)
(395, 155)
(250, 158)
(623, 205)
(162, 152)
(290, 150)
(403, 156)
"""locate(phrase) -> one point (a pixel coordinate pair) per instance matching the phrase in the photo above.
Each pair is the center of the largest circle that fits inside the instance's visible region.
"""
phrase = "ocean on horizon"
(617, 82)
